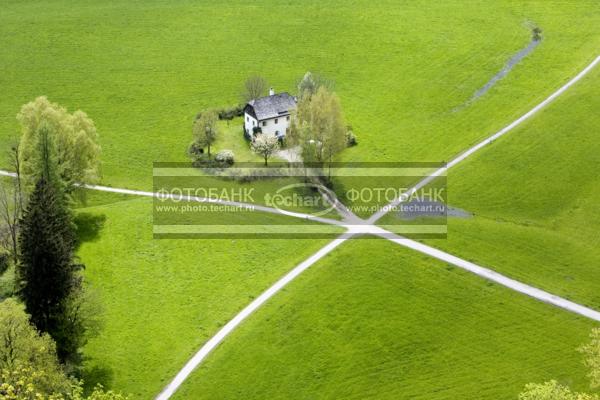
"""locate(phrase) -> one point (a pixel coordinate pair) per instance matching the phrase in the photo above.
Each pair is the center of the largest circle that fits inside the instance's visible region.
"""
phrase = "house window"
(275, 120)
(264, 123)
(287, 118)
(253, 123)
(247, 119)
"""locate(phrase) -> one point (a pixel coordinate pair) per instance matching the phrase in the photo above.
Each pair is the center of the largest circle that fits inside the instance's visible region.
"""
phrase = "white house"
(271, 114)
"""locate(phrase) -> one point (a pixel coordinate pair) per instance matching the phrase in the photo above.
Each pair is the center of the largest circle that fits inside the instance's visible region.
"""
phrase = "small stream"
(514, 60)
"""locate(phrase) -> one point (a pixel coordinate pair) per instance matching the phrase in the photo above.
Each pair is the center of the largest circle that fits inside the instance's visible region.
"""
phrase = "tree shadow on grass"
(97, 374)
(88, 227)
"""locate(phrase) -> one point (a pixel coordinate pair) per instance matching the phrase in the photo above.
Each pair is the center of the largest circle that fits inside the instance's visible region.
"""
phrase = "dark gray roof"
(272, 106)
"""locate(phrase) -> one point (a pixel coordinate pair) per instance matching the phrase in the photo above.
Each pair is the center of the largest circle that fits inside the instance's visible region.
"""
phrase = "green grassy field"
(374, 320)
(535, 195)
(143, 70)
(163, 298)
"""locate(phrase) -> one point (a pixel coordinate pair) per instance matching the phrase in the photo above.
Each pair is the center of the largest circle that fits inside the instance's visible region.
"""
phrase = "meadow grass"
(231, 138)
(534, 194)
(162, 299)
(374, 320)
(360, 325)
(143, 70)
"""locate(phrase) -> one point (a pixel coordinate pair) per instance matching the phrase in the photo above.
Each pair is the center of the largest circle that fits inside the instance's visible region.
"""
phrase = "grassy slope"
(377, 321)
(163, 298)
(142, 70)
(535, 195)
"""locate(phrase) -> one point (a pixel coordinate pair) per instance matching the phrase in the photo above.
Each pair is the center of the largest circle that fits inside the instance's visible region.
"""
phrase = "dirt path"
(467, 153)
(368, 227)
(246, 206)
(490, 275)
(242, 315)
(372, 229)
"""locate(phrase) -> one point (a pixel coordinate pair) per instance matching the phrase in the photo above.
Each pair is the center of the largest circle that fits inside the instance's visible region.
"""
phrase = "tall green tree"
(205, 130)
(47, 277)
(319, 126)
(46, 273)
(74, 139)
(310, 84)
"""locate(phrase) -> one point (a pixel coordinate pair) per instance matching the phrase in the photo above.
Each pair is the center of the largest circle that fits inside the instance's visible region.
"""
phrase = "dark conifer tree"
(46, 273)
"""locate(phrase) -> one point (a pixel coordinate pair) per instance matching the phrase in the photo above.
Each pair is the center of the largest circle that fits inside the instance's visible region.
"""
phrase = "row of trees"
(71, 140)
(319, 127)
(72, 145)
(57, 152)
(205, 131)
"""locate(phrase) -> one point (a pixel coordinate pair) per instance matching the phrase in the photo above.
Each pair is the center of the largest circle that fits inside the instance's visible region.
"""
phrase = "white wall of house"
(275, 126)
(249, 123)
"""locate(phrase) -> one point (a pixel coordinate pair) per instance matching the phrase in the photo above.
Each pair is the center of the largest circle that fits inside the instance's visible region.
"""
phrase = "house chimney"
(271, 92)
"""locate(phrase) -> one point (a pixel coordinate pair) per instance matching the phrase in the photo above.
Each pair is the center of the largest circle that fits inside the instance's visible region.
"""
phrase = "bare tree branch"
(11, 203)
(255, 87)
